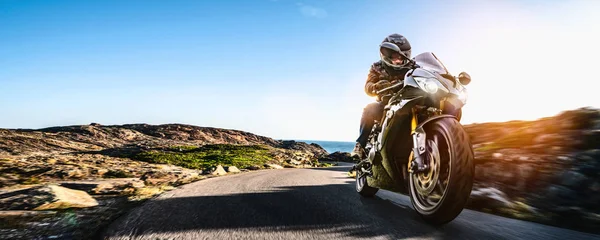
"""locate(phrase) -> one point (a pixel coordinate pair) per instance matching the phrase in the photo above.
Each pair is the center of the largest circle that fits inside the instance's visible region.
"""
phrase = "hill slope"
(90, 151)
(545, 170)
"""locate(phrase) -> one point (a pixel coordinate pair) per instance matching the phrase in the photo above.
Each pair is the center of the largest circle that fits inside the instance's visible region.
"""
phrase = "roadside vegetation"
(208, 156)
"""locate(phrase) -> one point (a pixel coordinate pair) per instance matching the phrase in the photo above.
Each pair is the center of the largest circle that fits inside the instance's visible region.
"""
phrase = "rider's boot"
(358, 151)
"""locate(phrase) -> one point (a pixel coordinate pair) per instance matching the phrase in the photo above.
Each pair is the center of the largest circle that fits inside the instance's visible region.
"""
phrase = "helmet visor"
(392, 55)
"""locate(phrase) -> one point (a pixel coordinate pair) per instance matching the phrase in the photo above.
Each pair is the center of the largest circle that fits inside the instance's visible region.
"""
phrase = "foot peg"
(363, 166)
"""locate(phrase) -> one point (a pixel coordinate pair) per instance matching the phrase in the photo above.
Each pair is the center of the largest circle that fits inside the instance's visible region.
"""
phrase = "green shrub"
(183, 148)
(210, 155)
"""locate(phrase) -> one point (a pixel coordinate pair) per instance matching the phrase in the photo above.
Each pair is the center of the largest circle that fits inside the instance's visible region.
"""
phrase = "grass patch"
(209, 156)
(183, 148)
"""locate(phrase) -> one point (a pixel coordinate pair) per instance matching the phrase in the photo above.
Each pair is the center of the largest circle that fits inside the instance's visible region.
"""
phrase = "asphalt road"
(305, 204)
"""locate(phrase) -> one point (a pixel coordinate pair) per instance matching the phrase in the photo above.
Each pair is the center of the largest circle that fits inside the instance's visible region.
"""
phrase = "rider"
(395, 52)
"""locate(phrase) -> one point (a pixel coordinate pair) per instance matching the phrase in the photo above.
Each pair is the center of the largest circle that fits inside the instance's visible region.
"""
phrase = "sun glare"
(525, 62)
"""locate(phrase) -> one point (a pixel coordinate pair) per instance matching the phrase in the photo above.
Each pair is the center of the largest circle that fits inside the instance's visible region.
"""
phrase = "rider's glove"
(381, 85)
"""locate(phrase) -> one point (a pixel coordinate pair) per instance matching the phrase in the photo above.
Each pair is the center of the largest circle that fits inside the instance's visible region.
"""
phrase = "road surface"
(318, 203)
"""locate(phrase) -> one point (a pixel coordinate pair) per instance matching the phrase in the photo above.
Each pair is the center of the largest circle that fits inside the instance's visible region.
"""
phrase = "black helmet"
(395, 52)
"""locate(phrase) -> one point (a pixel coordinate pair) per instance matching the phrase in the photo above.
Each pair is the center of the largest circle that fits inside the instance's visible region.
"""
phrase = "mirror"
(464, 78)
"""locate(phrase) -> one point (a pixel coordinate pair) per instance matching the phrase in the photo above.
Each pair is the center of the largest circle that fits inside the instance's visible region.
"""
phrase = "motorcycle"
(419, 147)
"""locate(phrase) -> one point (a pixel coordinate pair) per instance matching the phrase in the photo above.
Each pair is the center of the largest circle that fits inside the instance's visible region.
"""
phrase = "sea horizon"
(331, 146)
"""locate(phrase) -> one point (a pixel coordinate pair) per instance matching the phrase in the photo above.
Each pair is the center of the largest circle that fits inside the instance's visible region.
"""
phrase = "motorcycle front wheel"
(440, 193)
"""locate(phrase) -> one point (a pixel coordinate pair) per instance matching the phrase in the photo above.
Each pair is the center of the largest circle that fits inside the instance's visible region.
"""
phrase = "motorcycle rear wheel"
(362, 187)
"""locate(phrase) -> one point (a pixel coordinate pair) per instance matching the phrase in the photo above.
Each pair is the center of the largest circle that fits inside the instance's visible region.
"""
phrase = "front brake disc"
(425, 182)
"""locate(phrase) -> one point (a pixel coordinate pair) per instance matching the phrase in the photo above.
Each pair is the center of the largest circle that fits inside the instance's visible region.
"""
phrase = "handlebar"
(399, 84)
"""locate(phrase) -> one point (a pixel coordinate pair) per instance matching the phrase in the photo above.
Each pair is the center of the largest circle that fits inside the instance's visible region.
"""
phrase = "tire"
(363, 188)
(459, 172)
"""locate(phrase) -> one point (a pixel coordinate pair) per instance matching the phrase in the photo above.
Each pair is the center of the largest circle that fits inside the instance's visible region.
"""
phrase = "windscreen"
(430, 62)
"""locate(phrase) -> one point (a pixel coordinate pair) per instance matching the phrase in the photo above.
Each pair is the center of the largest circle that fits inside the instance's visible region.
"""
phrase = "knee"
(372, 106)
(372, 109)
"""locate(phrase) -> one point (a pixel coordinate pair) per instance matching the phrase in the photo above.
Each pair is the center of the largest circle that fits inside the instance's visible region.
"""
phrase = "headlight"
(462, 96)
(427, 84)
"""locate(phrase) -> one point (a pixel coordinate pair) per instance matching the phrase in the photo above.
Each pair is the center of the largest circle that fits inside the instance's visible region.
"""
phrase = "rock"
(273, 166)
(135, 184)
(489, 198)
(219, 171)
(594, 153)
(25, 213)
(526, 172)
(564, 158)
(105, 188)
(158, 177)
(573, 179)
(188, 176)
(558, 196)
(253, 167)
(49, 197)
(338, 157)
(523, 158)
(99, 171)
(70, 173)
(233, 169)
(295, 162)
(312, 148)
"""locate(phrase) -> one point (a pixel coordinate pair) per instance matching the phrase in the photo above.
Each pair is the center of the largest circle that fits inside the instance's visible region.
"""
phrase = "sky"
(281, 68)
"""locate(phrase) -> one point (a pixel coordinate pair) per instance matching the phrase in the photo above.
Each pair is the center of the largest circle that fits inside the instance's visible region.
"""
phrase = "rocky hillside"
(96, 137)
(546, 170)
(52, 177)
(93, 151)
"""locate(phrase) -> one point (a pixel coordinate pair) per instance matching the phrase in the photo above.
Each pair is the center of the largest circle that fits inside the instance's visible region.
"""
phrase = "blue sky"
(284, 69)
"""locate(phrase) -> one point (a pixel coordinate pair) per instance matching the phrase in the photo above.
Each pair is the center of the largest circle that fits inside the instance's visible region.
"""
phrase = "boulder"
(233, 169)
(273, 166)
(557, 195)
(489, 198)
(158, 177)
(253, 167)
(313, 149)
(338, 157)
(67, 198)
(219, 171)
(573, 179)
(46, 197)
(294, 162)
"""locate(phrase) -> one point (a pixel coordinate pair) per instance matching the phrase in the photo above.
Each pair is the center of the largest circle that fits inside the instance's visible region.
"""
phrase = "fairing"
(430, 62)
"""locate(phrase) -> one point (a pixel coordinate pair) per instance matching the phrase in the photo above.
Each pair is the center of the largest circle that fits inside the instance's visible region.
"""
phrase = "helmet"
(395, 51)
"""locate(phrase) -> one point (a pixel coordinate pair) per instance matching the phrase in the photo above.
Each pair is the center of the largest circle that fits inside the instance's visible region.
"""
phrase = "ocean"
(332, 146)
